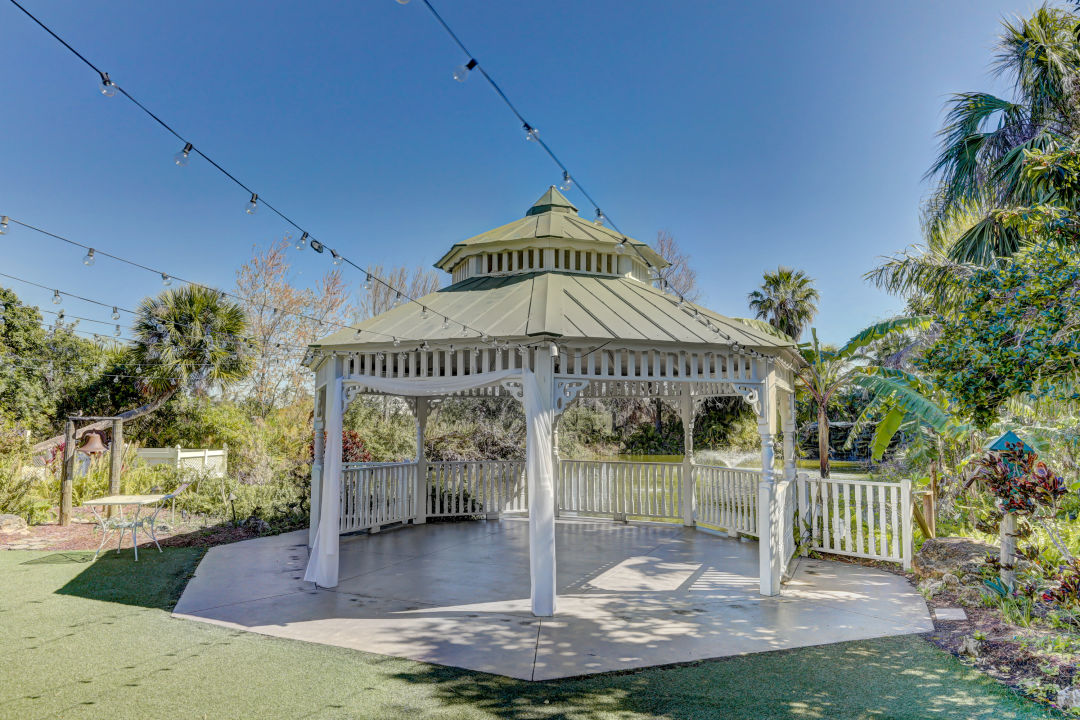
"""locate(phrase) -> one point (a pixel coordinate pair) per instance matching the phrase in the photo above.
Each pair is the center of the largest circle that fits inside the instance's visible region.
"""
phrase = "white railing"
(376, 494)
(476, 487)
(860, 518)
(727, 498)
(623, 489)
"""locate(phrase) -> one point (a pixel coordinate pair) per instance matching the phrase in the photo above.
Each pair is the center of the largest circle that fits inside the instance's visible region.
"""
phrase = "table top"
(125, 500)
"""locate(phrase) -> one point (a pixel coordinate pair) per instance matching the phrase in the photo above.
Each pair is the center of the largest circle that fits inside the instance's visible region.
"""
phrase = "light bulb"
(567, 181)
(253, 204)
(531, 133)
(116, 332)
(367, 282)
(56, 297)
(3, 224)
(423, 313)
(446, 323)
(461, 72)
(108, 87)
(397, 342)
(166, 280)
(599, 217)
(302, 242)
(88, 260)
(181, 158)
(337, 258)
(115, 314)
(424, 346)
(620, 247)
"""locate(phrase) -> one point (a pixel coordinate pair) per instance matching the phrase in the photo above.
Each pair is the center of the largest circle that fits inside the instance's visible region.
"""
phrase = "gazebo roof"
(554, 221)
(558, 305)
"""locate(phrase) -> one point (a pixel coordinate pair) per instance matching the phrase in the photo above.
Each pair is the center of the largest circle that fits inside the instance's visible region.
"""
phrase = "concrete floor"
(629, 596)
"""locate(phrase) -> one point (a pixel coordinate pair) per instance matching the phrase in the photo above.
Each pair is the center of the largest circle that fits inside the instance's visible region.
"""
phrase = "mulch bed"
(84, 534)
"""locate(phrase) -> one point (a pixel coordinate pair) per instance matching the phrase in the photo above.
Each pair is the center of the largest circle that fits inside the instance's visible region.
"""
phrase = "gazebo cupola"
(551, 237)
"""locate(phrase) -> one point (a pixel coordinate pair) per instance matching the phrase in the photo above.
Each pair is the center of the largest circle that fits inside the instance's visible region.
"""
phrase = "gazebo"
(550, 308)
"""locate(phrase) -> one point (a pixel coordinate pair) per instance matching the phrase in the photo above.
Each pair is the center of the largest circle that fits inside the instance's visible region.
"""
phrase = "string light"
(88, 259)
(166, 280)
(302, 241)
(367, 282)
(337, 258)
(115, 313)
(599, 217)
(4, 224)
(620, 247)
(317, 246)
(567, 181)
(116, 332)
(446, 323)
(56, 300)
(181, 158)
(108, 87)
(423, 313)
(461, 72)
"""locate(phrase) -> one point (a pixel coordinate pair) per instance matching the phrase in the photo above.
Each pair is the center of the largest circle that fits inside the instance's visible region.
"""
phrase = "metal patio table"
(136, 522)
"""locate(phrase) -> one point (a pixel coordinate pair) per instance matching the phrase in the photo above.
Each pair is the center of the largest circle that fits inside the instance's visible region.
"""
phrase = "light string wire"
(534, 133)
(169, 276)
(118, 308)
(190, 147)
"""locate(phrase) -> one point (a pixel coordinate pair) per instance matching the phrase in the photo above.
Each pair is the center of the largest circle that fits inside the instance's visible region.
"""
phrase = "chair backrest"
(180, 488)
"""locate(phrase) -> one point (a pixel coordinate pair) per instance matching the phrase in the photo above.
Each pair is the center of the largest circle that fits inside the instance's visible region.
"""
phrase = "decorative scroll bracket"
(566, 391)
(515, 388)
(751, 394)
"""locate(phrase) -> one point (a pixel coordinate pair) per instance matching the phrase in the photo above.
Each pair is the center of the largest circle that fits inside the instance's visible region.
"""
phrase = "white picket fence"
(860, 518)
(214, 463)
(622, 489)
(727, 498)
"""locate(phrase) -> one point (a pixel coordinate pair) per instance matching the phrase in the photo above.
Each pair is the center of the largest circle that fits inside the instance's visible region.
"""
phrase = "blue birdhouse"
(1011, 442)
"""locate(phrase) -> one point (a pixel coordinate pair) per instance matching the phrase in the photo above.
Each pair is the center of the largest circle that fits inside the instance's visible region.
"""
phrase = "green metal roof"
(560, 305)
(551, 218)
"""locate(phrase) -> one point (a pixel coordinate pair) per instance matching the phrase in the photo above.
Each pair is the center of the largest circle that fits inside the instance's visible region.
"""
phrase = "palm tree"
(787, 299)
(984, 139)
(187, 339)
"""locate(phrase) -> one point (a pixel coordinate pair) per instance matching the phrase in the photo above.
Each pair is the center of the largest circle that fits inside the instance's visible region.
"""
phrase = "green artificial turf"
(95, 640)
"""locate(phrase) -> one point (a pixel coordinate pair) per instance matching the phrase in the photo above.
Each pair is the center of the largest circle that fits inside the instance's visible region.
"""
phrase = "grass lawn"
(95, 640)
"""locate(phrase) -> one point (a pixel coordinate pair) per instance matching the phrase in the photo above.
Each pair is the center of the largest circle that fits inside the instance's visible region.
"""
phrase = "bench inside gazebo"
(548, 309)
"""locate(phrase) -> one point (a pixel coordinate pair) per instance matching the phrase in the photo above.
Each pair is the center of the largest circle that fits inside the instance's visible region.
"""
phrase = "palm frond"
(884, 328)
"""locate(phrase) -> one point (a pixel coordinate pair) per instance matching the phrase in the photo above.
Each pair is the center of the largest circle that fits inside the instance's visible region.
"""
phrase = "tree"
(985, 137)
(787, 299)
(39, 367)
(678, 275)
(283, 319)
(188, 339)
(377, 298)
(830, 370)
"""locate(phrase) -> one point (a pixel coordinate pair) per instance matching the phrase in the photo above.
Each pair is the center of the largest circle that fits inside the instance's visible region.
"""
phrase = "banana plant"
(828, 371)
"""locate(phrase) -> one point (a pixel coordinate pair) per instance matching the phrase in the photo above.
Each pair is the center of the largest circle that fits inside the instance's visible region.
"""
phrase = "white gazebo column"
(787, 427)
(316, 475)
(540, 417)
(769, 521)
(420, 489)
(686, 486)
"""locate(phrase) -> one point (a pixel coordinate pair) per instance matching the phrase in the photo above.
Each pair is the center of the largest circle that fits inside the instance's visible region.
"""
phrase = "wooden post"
(928, 514)
(1008, 550)
(116, 460)
(931, 518)
(68, 473)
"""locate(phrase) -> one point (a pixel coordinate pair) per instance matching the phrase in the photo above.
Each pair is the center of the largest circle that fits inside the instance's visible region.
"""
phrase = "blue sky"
(757, 133)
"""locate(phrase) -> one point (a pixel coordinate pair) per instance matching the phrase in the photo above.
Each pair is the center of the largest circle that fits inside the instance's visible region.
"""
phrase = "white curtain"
(322, 567)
